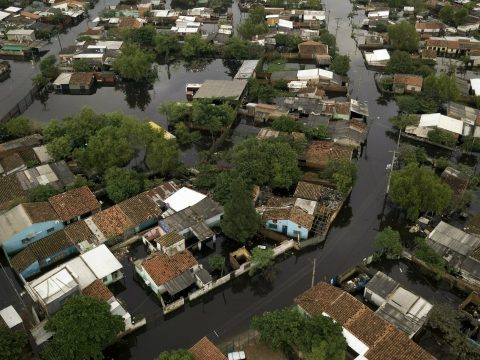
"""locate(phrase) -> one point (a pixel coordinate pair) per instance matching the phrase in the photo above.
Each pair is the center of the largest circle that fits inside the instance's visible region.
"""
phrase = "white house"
(378, 57)
(21, 35)
(158, 240)
(475, 86)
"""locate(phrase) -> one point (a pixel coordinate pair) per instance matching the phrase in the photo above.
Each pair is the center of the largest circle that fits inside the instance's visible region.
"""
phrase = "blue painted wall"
(40, 264)
(147, 224)
(291, 228)
(31, 270)
(31, 234)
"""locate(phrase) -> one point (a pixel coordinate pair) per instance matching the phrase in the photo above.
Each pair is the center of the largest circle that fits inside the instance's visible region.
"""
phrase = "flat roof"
(221, 89)
(10, 316)
(55, 285)
(184, 198)
(101, 261)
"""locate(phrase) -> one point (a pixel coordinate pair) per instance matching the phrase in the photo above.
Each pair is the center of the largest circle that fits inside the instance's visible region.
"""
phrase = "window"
(25, 241)
(105, 279)
(296, 233)
(273, 226)
(50, 230)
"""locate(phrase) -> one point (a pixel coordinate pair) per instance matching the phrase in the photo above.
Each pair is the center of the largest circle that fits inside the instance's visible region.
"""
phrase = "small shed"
(379, 288)
(404, 83)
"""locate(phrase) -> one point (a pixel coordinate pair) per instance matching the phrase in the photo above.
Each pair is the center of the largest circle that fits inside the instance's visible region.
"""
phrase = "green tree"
(216, 263)
(403, 36)
(261, 260)
(412, 154)
(424, 252)
(388, 240)
(266, 162)
(443, 137)
(185, 135)
(289, 330)
(343, 172)
(195, 46)
(82, 328)
(12, 343)
(81, 65)
(48, 67)
(400, 63)
(331, 41)
(259, 92)
(254, 25)
(166, 44)
(240, 221)
(239, 49)
(41, 193)
(402, 121)
(215, 118)
(441, 88)
(287, 124)
(133, 63)
(18, 127)
(60, 148)
(162, 156)
(320, 132)
(179, 354)
(417, 189)
(122, 184)
(446, 14)
(175, 111)
(288, 42)
(340, 64)
(40, 81)
(143, 36)
(460, 16)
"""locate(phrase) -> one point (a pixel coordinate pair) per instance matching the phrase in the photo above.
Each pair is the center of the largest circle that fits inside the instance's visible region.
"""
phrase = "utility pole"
(59, 42)
(336, 28)
(393, 160)
(313, 271)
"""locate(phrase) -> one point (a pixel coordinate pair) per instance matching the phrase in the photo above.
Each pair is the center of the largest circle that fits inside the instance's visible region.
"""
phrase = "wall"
(373, 298)
(14, 244)
(31, 270)
(148, 280)
(291, 227)
(214, 220)
(172, 250)
(117, 275)
(54, 258)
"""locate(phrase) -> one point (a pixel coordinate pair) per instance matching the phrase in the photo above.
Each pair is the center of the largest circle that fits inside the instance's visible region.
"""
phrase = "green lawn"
(277, 65)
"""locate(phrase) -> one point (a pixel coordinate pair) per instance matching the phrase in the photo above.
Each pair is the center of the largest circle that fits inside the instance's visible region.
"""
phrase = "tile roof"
(99, 290)
(429, 25)
(140, 208)
(382, 338)
(205, 350)
(78, 232)
(81, 78)
(112, 222)
(163, 268)
(40, 212)
(320, 152)
(293, 214)
(169, 239)
(309, 191)
(160, 193)
(40, 250)
(12, 162)
(127, 22)
(405, 79)
(73, 203)
(10, 189)
(26, 141)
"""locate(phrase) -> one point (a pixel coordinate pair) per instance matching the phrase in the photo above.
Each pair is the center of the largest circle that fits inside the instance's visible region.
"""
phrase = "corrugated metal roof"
(453, 238)
(381, 284)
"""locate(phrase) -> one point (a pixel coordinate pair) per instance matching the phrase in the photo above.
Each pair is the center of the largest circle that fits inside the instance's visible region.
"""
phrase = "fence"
(173, 306)
(239, 342)
(21, 106)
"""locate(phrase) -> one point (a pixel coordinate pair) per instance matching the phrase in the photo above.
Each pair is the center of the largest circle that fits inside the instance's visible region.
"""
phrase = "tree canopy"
(417, 189)
(133, 63)
(340, 64)
(143, 36)
(388, 240)
(266, 162)
(402, 121)
(254, 25)
(442, 137)
(402, 63)
(441, 88)
(216, 262)
(122, 184)
(166, 43)
(82, 328)
(286, 124)
(240, 221)
(318, 337)
(17, 127)
(403, 36)
(330, 40)
(195, 46)
(179, 354)
(261, 260)
(41, 193)
(343, 172)
(239, 49)
(12, 343)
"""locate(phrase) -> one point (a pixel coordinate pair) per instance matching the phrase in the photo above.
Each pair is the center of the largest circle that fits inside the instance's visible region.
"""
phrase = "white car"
(237, 355)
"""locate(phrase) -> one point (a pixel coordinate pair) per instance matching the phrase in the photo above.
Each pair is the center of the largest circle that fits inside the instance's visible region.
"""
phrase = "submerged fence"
(21, 106)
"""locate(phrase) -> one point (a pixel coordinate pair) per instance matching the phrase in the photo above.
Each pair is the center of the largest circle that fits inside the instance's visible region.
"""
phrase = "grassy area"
(277, 65)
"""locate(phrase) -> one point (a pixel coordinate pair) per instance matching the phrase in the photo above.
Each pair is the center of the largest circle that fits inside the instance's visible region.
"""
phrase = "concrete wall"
(158, 290)
(374, 298)
(31, 270)
(291, 228)
(111, 278)
(31, 234)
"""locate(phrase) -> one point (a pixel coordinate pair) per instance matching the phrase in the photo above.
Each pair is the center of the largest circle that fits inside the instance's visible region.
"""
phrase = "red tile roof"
(40, 212)
(293, 214)
(98, 290)
(73, 203)
(205, 350)
(383, 339)
(112, 222)
(404, 79)
(319, 153)
(140, 209)
(163, 268)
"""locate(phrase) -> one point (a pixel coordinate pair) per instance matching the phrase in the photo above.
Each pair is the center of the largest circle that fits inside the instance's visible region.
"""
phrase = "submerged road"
(228, 311)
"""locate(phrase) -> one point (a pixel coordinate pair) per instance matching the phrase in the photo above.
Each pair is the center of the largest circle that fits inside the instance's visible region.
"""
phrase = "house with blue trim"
(27, 223)
(292, 221)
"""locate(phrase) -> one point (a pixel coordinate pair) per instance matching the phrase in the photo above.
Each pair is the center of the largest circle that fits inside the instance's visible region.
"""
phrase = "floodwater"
(17, 86)
(228, 311)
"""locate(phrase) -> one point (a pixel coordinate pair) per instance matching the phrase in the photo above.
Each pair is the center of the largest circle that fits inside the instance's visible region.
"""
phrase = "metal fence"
(21, 106)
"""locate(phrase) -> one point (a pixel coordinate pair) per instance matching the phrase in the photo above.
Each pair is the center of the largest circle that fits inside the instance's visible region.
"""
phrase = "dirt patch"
(260, 351)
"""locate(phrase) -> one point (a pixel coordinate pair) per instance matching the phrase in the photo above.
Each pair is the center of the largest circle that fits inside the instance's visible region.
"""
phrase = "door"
(284, 229)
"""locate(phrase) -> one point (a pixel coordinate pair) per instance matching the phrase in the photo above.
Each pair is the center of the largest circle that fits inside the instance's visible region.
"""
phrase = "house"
(75, 204)
(460, 249)
(308, 50)
(230, 90)
(457, 180)
(475, 86)
(142, 211)
(11, 319)
(403, 83)
(81, 83)
(377, 58)
(470, 117)
(168, 274)
(351, 133)
(80, 234)
(21, 35)
(319, 76)
(26, 223)
(368, 335)
(52, 288)
(247, 70)
(430, 28)
(43, 253)
(454, 46)
(320, 153)
(429, 122)
(158, 240)
(196, 220)
(293, 222)
(110, 224)
(205, 350)
(405, 310)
